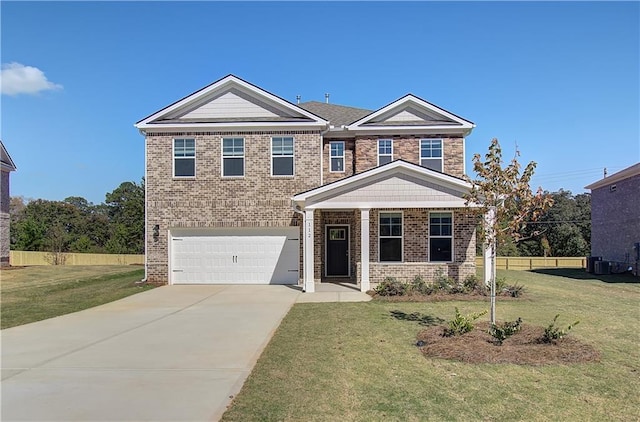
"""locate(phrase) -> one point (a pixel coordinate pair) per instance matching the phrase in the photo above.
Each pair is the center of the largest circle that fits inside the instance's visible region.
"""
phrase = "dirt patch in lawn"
(523, 348)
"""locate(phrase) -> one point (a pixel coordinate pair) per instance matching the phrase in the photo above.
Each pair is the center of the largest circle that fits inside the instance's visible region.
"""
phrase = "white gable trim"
(409, 100)
(6, 162)
(321, 197)
(226, 84)
(626, 173)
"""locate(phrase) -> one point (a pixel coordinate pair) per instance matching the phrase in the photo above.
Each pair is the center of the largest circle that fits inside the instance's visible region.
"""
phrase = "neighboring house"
(6, 167)
(615, 217)
(243, 186)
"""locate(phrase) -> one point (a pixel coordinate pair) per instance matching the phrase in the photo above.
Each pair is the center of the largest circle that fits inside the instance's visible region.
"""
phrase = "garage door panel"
(245, 256)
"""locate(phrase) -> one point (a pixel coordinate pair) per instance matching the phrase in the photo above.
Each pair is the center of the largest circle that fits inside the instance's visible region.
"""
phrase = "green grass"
(357, 362)
(35, 293)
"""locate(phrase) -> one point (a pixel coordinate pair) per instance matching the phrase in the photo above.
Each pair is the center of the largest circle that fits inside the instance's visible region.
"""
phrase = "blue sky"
(560, 80)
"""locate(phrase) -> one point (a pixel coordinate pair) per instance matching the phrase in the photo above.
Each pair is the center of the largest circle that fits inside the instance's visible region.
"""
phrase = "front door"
(337, 251)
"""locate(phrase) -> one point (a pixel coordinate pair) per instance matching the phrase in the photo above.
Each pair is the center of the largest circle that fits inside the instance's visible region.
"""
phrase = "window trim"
(222, 157)
(452, 237)
(173, 151)
(385, 155)
(293, 157)
(344, 161)
(401, 212)
(420, 157)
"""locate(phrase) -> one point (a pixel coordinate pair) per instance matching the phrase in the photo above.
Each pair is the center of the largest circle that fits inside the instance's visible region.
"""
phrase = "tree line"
(117, 225)
(77, 225)
(562, 230)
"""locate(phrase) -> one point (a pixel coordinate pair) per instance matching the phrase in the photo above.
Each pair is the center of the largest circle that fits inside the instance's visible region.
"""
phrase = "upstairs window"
(431, 154)
(336, 157)
(385, 151)
(184, 158)
(282, 156)
(390, 237)
(440, 237)
(233, 157)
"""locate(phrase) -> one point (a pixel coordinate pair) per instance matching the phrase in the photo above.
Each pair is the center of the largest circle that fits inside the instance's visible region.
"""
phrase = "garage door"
(235, 256)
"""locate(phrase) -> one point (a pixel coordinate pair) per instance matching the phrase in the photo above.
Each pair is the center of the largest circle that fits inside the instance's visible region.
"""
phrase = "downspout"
(144, 280)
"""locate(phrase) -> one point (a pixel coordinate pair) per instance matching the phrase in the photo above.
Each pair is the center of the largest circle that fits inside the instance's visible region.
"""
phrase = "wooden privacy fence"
(532, 263)
(20, 258)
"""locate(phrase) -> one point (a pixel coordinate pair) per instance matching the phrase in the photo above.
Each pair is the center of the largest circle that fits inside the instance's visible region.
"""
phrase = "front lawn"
(35, 293)
(359, 362)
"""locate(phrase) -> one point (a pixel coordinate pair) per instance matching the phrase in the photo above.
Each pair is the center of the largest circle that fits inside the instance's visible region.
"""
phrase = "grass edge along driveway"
(356, 362)
(35, 293)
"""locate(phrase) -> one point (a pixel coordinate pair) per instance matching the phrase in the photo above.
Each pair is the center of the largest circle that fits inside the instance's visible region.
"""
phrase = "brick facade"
(4, 219)
(615, 220)
(211, 201)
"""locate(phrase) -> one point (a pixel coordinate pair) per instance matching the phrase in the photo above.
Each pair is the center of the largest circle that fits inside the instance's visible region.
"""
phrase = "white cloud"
(16, 78)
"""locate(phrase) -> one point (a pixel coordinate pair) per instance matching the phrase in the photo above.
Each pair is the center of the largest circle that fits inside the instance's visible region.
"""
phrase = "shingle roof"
(338, 115)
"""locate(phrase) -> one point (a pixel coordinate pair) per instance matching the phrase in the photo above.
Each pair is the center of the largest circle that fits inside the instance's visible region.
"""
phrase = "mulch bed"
(439, 297)
(523, 348)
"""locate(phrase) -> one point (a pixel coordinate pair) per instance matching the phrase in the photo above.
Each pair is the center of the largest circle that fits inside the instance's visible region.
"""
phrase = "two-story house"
(243, 186)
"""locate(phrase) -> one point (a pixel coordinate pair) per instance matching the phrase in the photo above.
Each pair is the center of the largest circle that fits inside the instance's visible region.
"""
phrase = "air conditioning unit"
(602, 267)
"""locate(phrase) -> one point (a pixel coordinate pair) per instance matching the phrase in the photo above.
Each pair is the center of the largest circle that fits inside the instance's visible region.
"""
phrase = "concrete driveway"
(175, 353)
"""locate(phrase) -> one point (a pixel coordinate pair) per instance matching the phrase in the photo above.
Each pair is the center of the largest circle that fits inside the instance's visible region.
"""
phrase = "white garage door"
(235, 256)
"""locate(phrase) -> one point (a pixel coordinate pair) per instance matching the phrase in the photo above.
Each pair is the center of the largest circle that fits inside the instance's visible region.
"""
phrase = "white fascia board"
(220, 85)
(6, 167)
(403, 166)
(634, 170)
(393, 130)
(186, 127)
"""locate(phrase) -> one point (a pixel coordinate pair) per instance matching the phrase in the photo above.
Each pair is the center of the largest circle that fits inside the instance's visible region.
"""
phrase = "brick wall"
(4, 219)
(615, 220)
(415, 245)
(211, 201)
(408, 148)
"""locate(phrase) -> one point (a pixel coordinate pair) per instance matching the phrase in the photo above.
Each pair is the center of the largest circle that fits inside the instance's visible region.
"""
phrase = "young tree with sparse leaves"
(503, 195)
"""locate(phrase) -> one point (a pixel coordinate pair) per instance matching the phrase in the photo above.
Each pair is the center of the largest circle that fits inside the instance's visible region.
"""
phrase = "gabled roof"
(634, 170)
(230, 103)
(411, 113)
(398, 184)
(6, 163)
(337, 115)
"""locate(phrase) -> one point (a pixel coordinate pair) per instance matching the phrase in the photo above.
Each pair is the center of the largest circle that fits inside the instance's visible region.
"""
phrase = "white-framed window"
(232, 157)
(184, 157)
(441, 237)
(431, 153)
(282, 156)
(385, 151)
(390, 237)
(336, 157)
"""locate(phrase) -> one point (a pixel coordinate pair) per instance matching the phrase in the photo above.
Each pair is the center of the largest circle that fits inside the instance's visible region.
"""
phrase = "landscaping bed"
(523, 348)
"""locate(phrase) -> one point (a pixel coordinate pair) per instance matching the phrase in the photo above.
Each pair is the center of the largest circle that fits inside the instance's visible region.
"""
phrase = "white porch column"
(308, 255)
(364, 250)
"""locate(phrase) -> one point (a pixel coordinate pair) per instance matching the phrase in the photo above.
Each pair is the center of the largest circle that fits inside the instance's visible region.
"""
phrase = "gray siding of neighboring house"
(615, 220)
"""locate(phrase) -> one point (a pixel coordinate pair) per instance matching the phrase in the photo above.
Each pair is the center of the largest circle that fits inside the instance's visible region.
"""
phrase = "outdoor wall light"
(156, 232)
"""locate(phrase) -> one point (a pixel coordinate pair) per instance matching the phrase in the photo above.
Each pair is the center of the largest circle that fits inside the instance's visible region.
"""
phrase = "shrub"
(461, 323)
(391, 287)
(501, 284)
(441, 282)
(419, 286)
(501, 333)
(553, 333)
(514, 290)
(473, 284)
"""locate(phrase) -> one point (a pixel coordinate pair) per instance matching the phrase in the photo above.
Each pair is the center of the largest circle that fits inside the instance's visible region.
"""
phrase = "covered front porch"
(399, 220)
